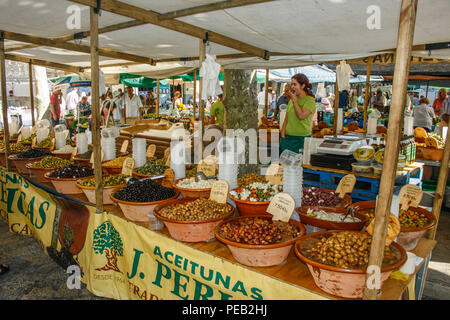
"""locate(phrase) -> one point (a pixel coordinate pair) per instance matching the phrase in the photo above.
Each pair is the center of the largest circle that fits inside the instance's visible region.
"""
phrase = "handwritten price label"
(169, 176)
(151, 151)
(219, 191)
(281, 207)
(74, 153)
(410, 196)
(274, 174)
(128, 166)
(346, 185)
(124, 147)
(209, 169)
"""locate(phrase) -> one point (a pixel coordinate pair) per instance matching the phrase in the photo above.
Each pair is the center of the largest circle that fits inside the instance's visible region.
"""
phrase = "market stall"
(166, 224)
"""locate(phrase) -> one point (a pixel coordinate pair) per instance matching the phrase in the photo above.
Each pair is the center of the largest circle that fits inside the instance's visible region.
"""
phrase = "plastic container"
(364, 154)
(362, 168)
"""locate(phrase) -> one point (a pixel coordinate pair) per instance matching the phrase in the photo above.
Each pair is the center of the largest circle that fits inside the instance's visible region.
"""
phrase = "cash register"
(337, 152)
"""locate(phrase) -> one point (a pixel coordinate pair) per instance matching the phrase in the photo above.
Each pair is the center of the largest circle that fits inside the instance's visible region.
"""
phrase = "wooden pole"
(195, 94)
(402, 62)
(157, 97)
(30, 76)
(336, 107)
(367, 93)
(266, 97)
(201, 102)
(95, 111)
(4, 102)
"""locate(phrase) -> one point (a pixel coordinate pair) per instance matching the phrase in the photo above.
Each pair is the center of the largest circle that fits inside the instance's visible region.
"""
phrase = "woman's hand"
(292, 95)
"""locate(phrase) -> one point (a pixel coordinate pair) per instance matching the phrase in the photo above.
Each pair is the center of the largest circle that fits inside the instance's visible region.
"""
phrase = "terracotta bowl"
(39, 173)
(409, 237)
(112, 170)
(138, 211)
(346, 283)
(359, 207)
(3, 160)
(90, 192)
(346, 203)
(248, 208)
(260, 255)
(82, 161)
(191, 193)
(331, 225)
(65, 185)
(65, 156)
(190, 231)
(142, 176)
(21, 164)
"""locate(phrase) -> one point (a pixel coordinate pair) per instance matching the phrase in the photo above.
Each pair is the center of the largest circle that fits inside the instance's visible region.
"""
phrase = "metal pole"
(30, 76)
(367, 93)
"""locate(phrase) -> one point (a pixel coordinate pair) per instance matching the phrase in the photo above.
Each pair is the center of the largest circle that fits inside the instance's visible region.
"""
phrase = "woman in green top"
(300, 110)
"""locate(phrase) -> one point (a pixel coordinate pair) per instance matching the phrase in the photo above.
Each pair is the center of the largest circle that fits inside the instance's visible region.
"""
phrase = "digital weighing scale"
(342, 145)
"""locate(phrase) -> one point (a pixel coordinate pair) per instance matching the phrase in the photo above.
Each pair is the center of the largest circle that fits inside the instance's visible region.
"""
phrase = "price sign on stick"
(209, 169)
(74, 153)
(346, 185)
(92, 158)
(124, 147)
(52, 144)
(219, 191)
(66, 133)
(128, 166)
(281, 207)
(169, 176)
(410, 195)
(19, 137)
(274, 174)
(393, 228)
(33, 129)
(151, 151)
(33, 143)
(167, 155)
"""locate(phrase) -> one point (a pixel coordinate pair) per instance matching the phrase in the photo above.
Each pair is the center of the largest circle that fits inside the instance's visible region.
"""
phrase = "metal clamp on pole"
(206, 39)
(98, 7)
(2, 36)
(266, 55)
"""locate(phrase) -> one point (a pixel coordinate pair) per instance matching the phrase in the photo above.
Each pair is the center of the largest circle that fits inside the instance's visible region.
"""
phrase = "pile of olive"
(258, 231)
(152, 168)
(249, 178)
(348, 250)
(51, 162)
(117, 162)
(45, 143)
(197, 210)
(87, 154)
(320, 197)
(144, 191)
(33, 153)
(112, 180)
(72, 171)
(15, 148)
(29, 139)
(412, 219)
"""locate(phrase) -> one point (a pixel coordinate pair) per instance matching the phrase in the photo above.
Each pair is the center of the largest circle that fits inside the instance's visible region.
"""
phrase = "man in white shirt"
(72, 99)
(262, 98)
(132, 103)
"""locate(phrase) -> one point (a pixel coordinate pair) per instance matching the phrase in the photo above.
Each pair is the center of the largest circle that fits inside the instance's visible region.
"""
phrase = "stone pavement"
(34, 276)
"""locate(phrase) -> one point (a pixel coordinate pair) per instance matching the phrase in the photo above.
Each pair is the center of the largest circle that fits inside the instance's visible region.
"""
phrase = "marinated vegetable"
(256, 192)
(112, 180)
(15, 148)
(349, 250)
(51, 162)
(72, 171)
(144, 191)
(197, 210)
(152, 168)
(320, 197)
(412, 219)
(250, 178)
(45, 143)
(258, 231)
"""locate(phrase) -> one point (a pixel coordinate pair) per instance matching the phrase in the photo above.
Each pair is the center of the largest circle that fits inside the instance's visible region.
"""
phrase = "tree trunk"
(241, 106)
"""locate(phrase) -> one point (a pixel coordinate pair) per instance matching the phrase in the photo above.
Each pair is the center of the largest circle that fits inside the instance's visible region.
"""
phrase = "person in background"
(343, 99)
(416, 99)
(262, 98)
(89, 98)
(437, 103)
(84, 107)
(301, 108)
(117, 107)
(12, 100)
(132, 103)
(177, 100)
(377, 101)
(445, 112)
(72, 100)
(423, 115)
(353, 101)
(284, 99)
(55, 106)
(217, 110)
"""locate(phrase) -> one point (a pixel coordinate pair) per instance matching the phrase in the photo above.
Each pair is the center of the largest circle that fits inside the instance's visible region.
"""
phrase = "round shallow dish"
(138, 211)
(190, 231)
(82, 161)
(331, 225)
(409, 237)
(112, 170)
(364, 154)
(260, 255)
(21, 164)
(344, 204)
(248, 208)
(39, 173)
(90, 192)
(191, 193)
(341, 282)
(65, 185)
(65, 156)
